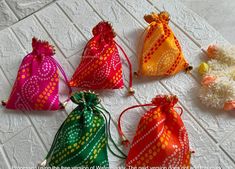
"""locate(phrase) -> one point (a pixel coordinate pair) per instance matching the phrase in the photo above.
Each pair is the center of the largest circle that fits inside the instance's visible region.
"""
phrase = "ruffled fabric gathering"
(161, 52)
(37, 83)
(101, 67)
(161, 139)
(82, 140)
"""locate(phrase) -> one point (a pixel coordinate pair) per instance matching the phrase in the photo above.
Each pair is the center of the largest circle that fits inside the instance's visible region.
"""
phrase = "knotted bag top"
(161, 52)
(42, 48)
(37, 83)
(105, 30)
(154, 17)
(161, 138)
(85, 99)
(82, 139)
(100, 66)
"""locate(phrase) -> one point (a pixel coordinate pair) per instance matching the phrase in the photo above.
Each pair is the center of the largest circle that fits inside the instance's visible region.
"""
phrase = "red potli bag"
(100, 66)
(161, 139)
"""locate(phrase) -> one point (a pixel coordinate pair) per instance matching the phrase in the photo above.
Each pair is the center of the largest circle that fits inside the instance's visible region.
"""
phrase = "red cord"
(129, 63)
(125, 140)
(64, 75)
(181, 110)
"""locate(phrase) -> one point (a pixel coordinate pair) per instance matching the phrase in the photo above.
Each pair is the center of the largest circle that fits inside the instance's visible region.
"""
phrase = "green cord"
(109, 134)
(107, 131)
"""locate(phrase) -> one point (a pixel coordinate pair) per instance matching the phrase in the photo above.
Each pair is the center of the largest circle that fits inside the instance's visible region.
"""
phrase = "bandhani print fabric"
(161, 139)
(81, 139)
(161, 53)
(100, 66)
(37, 82)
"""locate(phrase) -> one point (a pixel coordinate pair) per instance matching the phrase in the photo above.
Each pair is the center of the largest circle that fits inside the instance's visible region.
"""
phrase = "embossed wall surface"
(26, 137)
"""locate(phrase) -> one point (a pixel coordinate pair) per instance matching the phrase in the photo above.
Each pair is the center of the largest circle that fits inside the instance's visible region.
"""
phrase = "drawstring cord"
(131, 90)
(65, 78)
(66, 81)
(109, 134)
(181, 110)
(125, 141)
(44, 163)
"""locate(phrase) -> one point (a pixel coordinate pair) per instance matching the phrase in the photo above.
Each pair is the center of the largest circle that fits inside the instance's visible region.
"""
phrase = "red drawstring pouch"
(100, 66)
(37, 83)
(161, 139)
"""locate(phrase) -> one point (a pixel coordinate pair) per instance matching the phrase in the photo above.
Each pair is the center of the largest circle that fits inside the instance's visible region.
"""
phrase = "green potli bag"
(82, 140)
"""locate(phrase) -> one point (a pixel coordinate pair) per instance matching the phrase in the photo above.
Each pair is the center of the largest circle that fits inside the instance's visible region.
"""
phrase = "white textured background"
(26, 137)
(218, 13)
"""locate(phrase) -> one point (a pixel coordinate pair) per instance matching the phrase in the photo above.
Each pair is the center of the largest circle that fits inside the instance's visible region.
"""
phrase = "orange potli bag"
(161, 53)
(161, 139)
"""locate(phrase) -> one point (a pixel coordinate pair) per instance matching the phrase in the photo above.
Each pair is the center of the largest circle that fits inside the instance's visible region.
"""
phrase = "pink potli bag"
(37, 84)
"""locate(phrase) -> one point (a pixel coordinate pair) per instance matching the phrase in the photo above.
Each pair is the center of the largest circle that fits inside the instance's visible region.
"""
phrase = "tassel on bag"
(161, 52)
(100, 67)
(161, 139)
(37, 83)
(82, 140)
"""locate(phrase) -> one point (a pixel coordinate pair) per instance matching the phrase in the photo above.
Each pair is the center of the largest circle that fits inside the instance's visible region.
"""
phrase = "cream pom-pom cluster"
(222, 67)
(216, 94)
